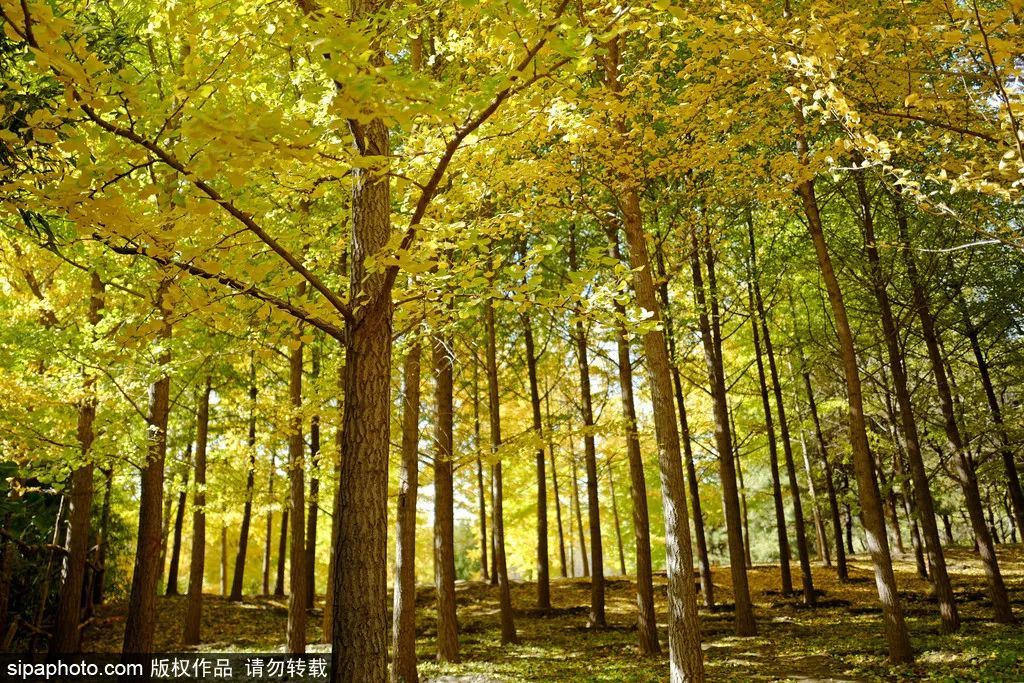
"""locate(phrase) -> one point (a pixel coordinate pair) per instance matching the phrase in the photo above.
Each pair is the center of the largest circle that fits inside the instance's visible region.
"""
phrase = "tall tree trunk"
(830, 485)
(579, 512)
(100, 578)
(743, 492)
(615, 518)
(403, 663)
(223, 557)
(963, 466)
(803, 552)
(867, 486)
(554, 484)
(480, 475)
(543, 569)
(66, 634)
(824, 554)
(297, 589)
(282, 552)
(314, 489)
(140, 625)
(647, 625)
(773, 456)
(707, 586)
(508, 627)
(597, 616)
(270, 523)
(250, 484)
(197, 561)
(444, 502)
(995, 410)
(708, 320)
(179, 521)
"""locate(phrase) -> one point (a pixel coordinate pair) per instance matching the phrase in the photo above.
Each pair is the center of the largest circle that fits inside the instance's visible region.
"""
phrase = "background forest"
(693, 329)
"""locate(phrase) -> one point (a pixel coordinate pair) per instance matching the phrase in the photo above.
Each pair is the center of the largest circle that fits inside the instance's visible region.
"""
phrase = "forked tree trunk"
(963, 466)
(403, 662)
(444, 502)
(543, 568)
(250, 484)
(140, 624)
(508, 627)
(297, 589)
(66, 633)
(708, 320)
(197, 562)
(867, 486)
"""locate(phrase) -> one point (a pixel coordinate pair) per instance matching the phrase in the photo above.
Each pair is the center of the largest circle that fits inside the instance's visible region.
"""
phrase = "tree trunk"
(905, 493)
(743, 493)
(179, 522)
(543, 570)
(618, 525)
(579, 512)
(554, 484)
(867, 486)
(100, 579)
(250, 484)
(66, 634)
(403, 664)
(197, 561)
(444, 502)
(297, 589)
(964, 468)
(597, 616)
(327, 622)
(995, 410)
(140, 625)
(745, 625)
(773, 456)
(270, 523)
(508, 627)
(223, 557)
(282, 552)
(314, 490)
(824, 554)
(707, 585)
(480, 476)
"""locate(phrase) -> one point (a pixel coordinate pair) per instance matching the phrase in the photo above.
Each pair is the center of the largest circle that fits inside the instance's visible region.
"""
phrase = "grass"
(840, 641)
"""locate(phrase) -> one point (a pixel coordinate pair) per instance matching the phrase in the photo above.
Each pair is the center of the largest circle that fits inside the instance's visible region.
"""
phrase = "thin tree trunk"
(297, 589)
(905, 493)
(140, 625)
(480, 477)
(197, 561)
(314, 489)
(270, 523)
(444, 502)
(223, 557)
(747, 557)
(179, 521)
(66, 634)
(554, 484)
(618, 525)
(867, 487)
(508, 627)
(963, 466)
(579, 512)
(403, 664)
(282, 553)
(543, 568)
(250, 484)
(824, 554)
(708, 320)
(100, 578)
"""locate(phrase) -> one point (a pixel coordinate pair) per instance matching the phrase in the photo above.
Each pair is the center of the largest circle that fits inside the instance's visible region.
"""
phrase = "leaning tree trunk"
(250, 484)
(197, 562)
(647, 625)
(543, 567)
(597, 616)
(140, 624)
(403, 663)
(444, 502)
(745, 625)
(964, 467)
(297, 589)
(508, 627)
(867, 486)
(66, 633)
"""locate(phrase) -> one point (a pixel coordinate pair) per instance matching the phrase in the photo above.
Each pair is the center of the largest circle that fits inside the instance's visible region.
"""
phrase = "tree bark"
(314, 490)
(743, 492)
(824, 554)
(508, 627)
(66, 635)
(554, 485)
(282, 552)
(708, 320)
(100, 578)
(543, 568)
(480, 477)
(270, 523)
(197, 561)
(615, 518)
(444, 502)
(579, 512)
(140, 624)
(297, 590)
(250, 484)
(179, 522)
(403, 664)
(963, 466)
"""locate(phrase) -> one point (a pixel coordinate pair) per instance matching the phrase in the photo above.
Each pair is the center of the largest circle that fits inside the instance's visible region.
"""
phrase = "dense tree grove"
(326, 299)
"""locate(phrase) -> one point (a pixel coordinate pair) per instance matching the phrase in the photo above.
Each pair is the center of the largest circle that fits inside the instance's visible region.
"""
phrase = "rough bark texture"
(867, 486)
(444, 502)
(141, 622)
(963, 466)
(708, 321)
(297, 590)
(66, 634)
(403, 661)
(508, 627)
(197, 563)
(250, 484)
(543, 567)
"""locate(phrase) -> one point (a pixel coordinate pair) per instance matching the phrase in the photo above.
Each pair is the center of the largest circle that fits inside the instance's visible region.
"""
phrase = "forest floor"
(841, 640)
